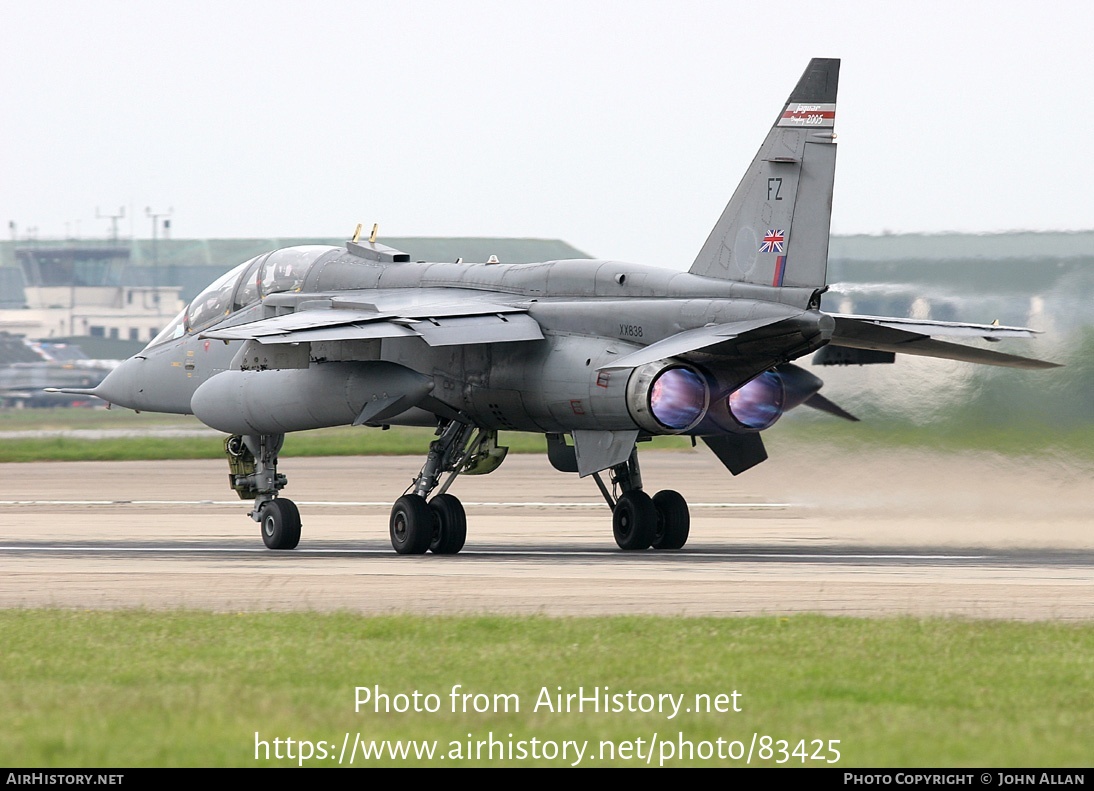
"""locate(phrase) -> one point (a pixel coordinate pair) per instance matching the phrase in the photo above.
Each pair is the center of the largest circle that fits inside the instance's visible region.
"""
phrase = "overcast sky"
(621, 127)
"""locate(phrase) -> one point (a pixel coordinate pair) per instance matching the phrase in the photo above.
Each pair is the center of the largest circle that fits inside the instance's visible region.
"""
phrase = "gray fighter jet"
(597, 355)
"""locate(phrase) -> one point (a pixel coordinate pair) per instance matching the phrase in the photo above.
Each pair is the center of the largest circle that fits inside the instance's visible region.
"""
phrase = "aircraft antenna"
(375, 230)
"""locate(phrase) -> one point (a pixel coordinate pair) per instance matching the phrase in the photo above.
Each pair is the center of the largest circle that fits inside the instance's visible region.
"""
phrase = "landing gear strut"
(639, 521)
(252, 465)
(440, 525)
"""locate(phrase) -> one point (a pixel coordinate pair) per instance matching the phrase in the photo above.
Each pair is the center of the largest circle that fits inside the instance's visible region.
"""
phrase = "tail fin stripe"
(780, 269)
(809, 115)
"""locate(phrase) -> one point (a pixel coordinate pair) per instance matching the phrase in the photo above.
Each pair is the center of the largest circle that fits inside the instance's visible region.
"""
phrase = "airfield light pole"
(113, 222)
(156, 216)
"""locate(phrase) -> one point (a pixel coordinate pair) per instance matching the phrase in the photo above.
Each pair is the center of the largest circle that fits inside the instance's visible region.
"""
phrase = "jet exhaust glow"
(758, 403)
(679, 398)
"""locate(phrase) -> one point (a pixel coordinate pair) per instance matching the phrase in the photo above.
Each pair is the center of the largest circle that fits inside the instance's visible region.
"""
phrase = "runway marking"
(381, 503)
(505, 552)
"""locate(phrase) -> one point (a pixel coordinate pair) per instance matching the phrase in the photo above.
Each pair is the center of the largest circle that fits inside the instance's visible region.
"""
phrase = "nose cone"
(122, 385)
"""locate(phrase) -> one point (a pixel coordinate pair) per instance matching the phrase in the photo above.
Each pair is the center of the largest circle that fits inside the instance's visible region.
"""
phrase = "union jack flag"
(773, 241)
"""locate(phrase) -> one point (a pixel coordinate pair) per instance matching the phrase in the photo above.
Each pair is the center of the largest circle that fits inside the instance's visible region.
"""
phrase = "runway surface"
(881, 533)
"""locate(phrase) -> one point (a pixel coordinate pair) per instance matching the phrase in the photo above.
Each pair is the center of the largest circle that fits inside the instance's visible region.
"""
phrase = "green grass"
(339, 441)
(60, 419)
(136, 688)
(1020, 439)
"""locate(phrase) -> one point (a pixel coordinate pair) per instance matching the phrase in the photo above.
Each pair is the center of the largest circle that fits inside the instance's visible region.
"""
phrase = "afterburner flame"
(678, 398)
(759, 403)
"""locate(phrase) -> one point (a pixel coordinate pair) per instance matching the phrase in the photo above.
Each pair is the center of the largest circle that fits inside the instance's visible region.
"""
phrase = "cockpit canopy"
(270, 273)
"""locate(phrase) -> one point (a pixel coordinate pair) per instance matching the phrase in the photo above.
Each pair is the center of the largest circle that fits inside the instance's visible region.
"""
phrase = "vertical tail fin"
(774, 232)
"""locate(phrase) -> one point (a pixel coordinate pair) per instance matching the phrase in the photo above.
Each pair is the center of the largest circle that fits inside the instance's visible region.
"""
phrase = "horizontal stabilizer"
(817, 401)
(897, 335)
(949, 329)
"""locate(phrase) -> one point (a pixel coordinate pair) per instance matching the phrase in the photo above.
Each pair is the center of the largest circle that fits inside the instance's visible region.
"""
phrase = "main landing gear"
(440, 525)
(638, 520)
(252, 464)
(421, 524)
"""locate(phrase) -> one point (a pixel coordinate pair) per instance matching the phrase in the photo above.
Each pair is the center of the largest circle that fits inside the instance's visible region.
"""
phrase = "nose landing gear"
(252, 465)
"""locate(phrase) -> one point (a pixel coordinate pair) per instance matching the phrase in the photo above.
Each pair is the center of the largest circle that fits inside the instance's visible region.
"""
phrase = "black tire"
(634, 521)
(280, 523)
(411, 525)
(673, 520)
(450, 526)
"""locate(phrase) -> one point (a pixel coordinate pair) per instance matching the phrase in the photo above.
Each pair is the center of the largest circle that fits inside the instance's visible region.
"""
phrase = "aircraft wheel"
(673, 520)
(280, 521)
(634, 520)
(411, 525)
(450, 525)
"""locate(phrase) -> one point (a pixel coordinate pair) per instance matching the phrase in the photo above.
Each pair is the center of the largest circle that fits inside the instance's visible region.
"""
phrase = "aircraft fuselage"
(590, 312)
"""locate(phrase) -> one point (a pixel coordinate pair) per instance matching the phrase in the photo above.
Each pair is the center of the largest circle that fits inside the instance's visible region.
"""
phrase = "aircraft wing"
(437, 325)
(913, 336)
